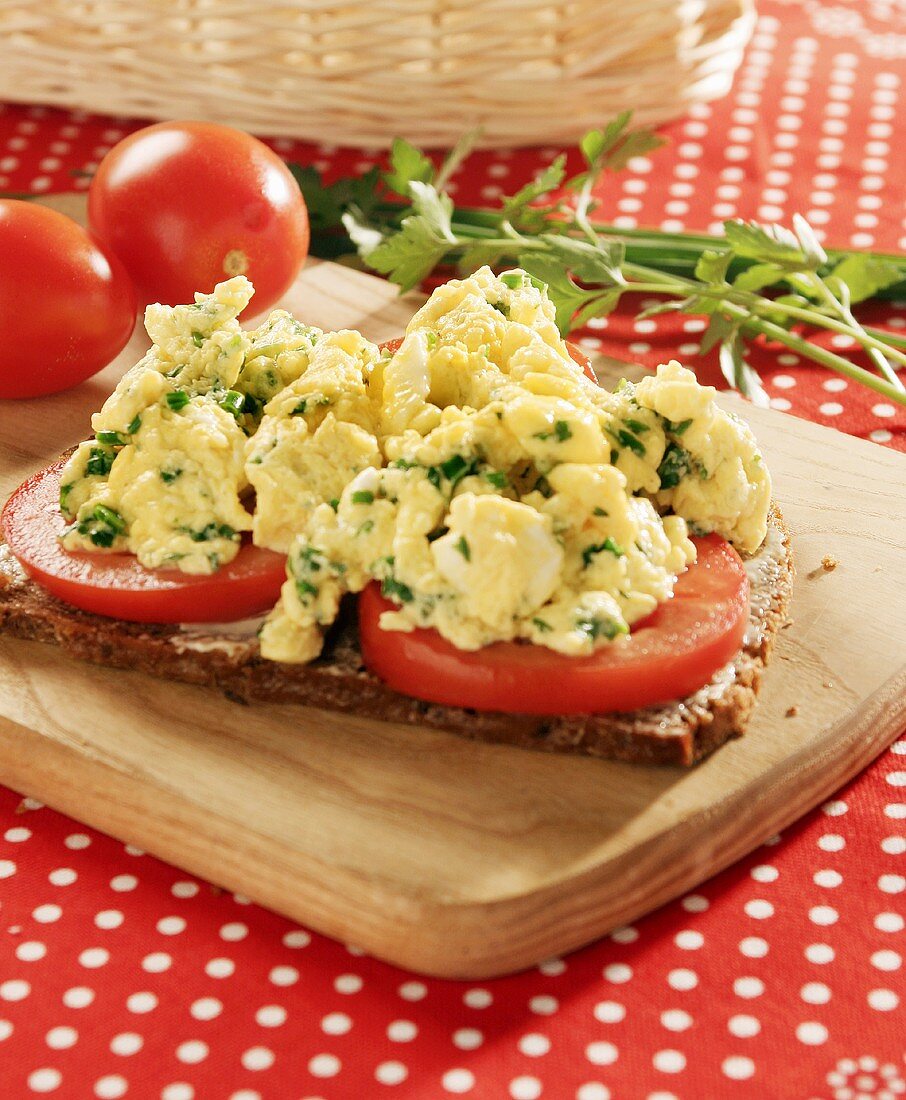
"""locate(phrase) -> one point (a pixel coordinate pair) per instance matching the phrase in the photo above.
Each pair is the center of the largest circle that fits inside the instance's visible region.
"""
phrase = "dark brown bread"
(675, 733)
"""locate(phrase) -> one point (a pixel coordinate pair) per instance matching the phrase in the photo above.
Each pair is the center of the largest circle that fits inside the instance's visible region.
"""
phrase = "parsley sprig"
(758, 280)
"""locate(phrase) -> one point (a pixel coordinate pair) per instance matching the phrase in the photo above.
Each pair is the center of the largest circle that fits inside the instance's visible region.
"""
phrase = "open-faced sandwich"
(462, 530)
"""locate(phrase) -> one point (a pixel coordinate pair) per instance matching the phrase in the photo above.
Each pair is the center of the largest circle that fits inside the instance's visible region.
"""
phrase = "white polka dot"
(77, 841)
(883, 409)
(141, 1002)
(823, 915)
(544, 1005)
(830, 408)
(831, 842)
(552, 967)
(609, 1012)
(206, 1008)
(108, 918)
(413, 991)
(62, 876)
(534, 1045)
(896, 810)
(178, 1090)
(695, 903)
(828, 879)
(111, 1087)
(781, 404)
(159, 961)
(345, 983)
(743, 1026)
(894, 845)
(886, 960)
(819, 953)
(123, 883)
(30, 951)
(467, 1038)
(270, 1016)
(45, 1080)
(47, 914)
(689, 940)
(477, 998)
(784, 381)
(336, 1023)
(234, 931)
(815, 993)
(748, 987)
(61, 1038)
(601, 1053)
(834, 808)
(764, 872)
(184, 889)
(17, 835)
(811, 1033)
(525, 1088)
(754, 947)
(759, 909)
(192, 1051)
(593, 1090)
(391, 1073)
(618, 973)
(258, 1058)
(126, 1043)
(93, 957)
(737, 1068)
(889, 922)
(669, 1061)
(880, 435)
(682, 979)
(896, 779)
(883, 1000)
(674, 1019)
(287, 975)
(458, 1080)
(624, 935)
(80, 996)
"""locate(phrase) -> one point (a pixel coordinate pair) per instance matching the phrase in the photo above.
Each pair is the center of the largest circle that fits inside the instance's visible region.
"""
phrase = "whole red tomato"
(66, 304)
(186, 205)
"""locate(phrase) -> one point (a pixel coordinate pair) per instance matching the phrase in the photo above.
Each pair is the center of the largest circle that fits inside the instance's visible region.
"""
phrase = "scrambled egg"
(493, 490)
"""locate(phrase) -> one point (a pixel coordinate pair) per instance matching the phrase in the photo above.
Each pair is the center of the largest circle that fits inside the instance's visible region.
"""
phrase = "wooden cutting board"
(444, 856)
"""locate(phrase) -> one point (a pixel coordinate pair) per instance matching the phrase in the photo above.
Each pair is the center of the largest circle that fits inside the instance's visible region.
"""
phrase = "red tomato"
(186, 205)
(66, 305)
(575, 352)
(116, 585)
(672, 653)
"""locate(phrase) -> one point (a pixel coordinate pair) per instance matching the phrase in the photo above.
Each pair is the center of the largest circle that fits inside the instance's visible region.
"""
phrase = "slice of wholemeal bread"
(226, 657)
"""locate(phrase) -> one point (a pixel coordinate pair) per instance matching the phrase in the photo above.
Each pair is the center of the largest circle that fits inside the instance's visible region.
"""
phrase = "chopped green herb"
(541, 626)
(134, 425)
(456, 468)
(594, 627)
(542, 486)
(394, 589)
(366, 527)
(608, 544)
(563, 431)
(232, 402)
(627, 439)
(433, 475)
(402, 464)
(600, 512)
(363, 496)
(213, 531)
(635, 426)
(515, 280)
(65, 490)
(335, 504)
(302, 407)
(250, 404)
(431, 340)
(169, 476)
(99, 462)
(110, 439)
(677, 429)
(177, 400)
(197, 339)
(102, 526)
(304, 589)
(675, 465)
(463, 547)
(501, 307)
(497, 478)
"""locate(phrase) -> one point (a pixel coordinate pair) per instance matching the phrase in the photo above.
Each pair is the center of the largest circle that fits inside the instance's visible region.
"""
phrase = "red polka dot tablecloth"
(780, 979)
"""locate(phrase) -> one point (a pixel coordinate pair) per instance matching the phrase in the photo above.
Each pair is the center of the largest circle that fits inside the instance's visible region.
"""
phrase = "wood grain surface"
(444, 856)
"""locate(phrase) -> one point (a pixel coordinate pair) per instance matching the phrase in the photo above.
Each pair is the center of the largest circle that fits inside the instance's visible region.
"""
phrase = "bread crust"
(680, 733)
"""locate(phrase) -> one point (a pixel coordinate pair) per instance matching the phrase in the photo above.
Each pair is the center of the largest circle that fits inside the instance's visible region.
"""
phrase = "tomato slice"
(575, 352)
(668, 655)
(116, 585)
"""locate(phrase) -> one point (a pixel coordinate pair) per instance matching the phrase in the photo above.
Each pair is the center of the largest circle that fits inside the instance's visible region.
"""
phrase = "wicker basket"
(526, 72)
